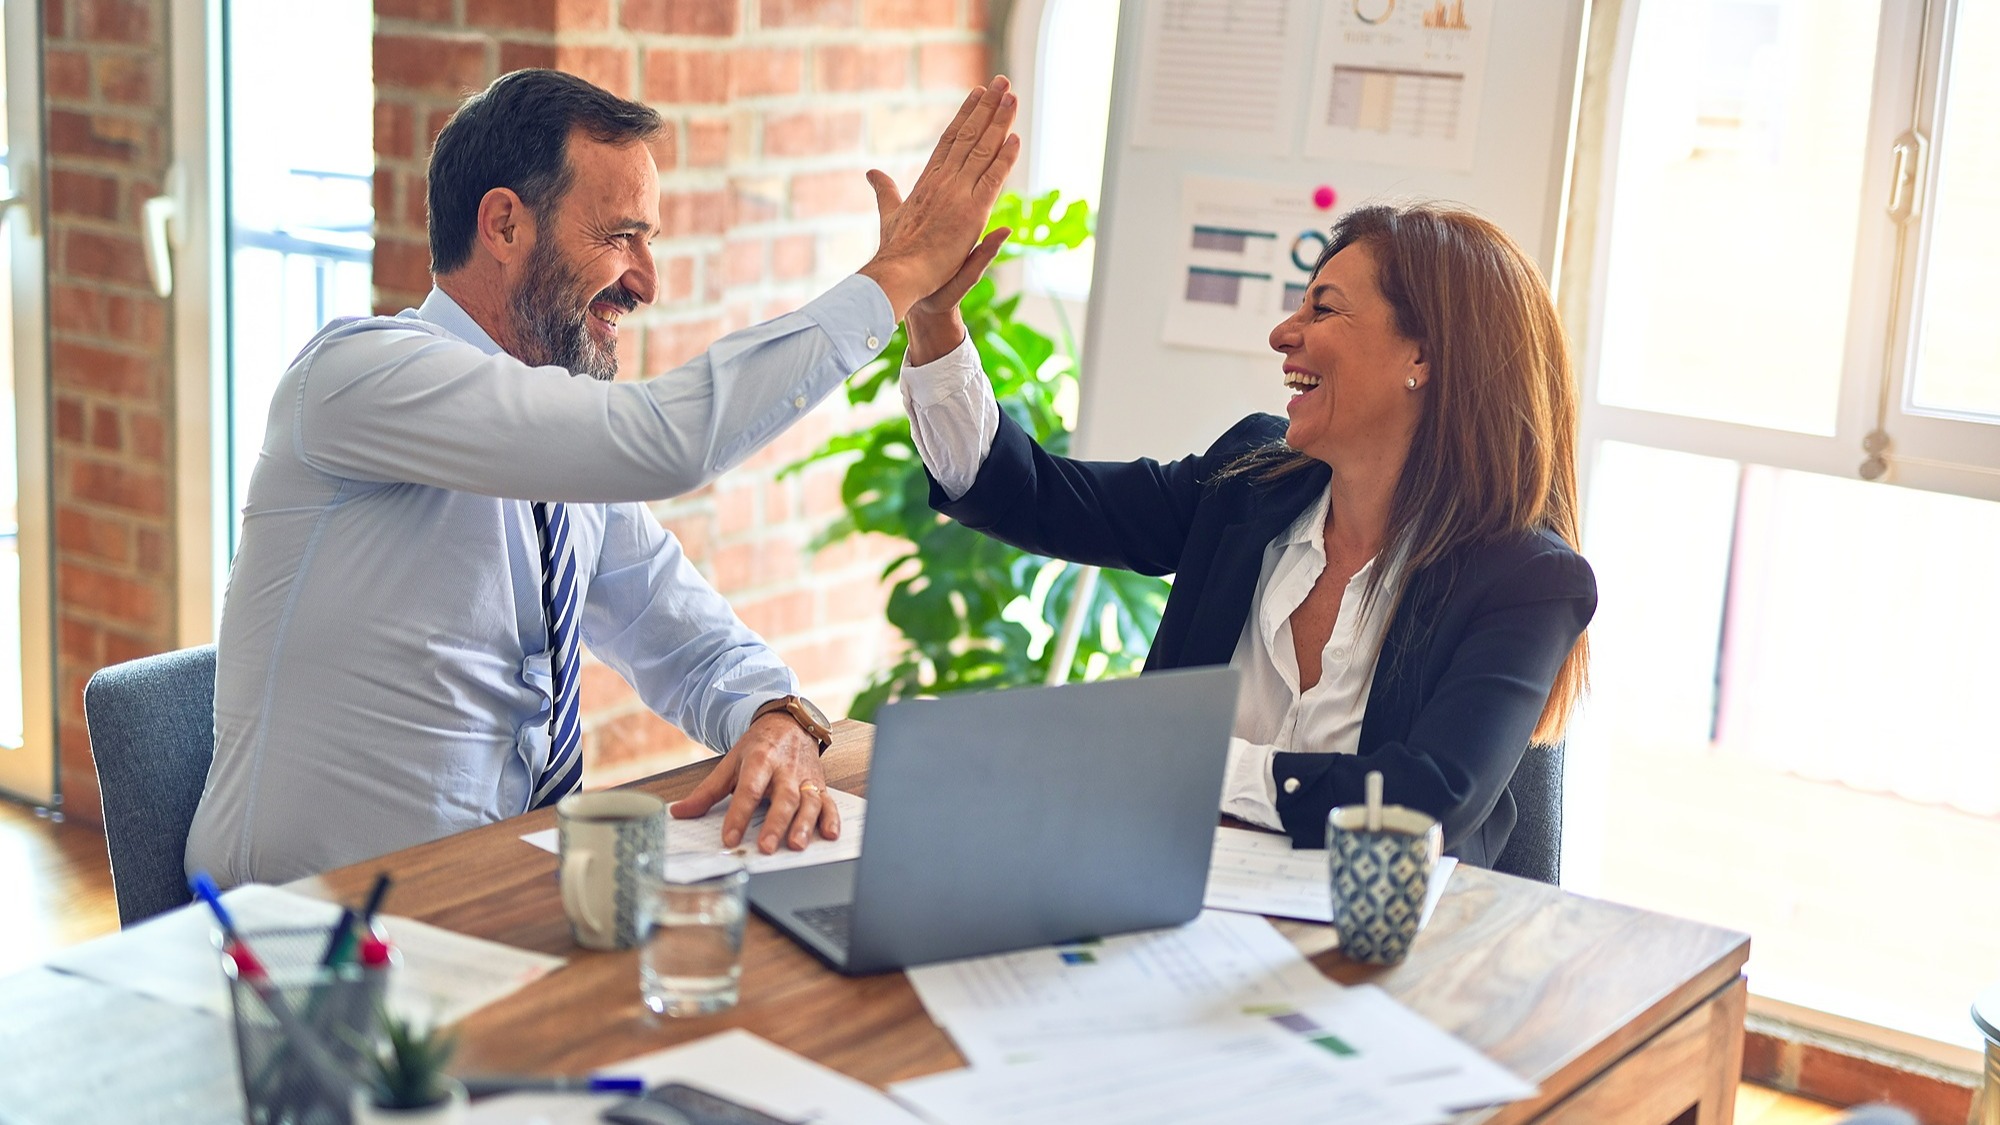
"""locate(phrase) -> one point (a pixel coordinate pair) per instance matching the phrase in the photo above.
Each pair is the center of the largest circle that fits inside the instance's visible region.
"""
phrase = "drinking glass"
(691, 960)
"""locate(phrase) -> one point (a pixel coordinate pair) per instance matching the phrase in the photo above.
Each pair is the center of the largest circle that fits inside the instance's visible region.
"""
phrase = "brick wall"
(109, 355)
(775, 109)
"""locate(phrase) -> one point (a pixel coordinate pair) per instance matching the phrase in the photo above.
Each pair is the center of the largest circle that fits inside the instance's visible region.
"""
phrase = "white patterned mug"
(603, 840)
(1380, 879)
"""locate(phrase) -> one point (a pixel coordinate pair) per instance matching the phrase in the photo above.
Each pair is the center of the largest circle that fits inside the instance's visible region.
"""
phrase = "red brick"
(427, 11)
(977, 17)
(792, 257)
(141, 321)
(805, 13)
(127, 79)
(154, 557)
(755, 200)
(106, 257)
(433, 125)
(693, 212)
(671, 344)
(517, 55)
(665, 146)
(55, 21)
(812, 133)
(431, 64)
(908, 14)
(825, 661)
(511, 15)
(395, 131)
(693, 534)
(403, 265)
(78, 308)
(80, 534)
(854, 600)
(105, 431)
(762, 72)
(629, 740)
(736, 508)
(674, 76)
(846, 68)
(601, 687)
(69, 419)
(97, 137)
(1763, 1056)
(115, 21)
(107, 595)
(120, 647)
(66, 74)
(149, 437)
(80, 640)
(681, 17)
(822, 492)
(1846, 1080)
(107, 372)
(708, 142)
(117, 486)
(780, 615)
(584, 15)
(743, 262)
(677, 278)
(817, 194)
(609, 67)
(82, 194)
(779, 506)
(951, 66)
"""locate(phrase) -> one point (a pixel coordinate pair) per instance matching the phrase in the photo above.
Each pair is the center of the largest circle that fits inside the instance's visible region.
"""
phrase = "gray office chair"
(1534, 851)
(152, 731)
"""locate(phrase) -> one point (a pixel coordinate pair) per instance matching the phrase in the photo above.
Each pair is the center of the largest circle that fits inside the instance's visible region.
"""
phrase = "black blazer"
(1465, 668)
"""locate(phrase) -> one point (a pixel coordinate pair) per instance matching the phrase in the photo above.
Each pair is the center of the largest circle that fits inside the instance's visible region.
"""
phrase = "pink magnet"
(1323, 197)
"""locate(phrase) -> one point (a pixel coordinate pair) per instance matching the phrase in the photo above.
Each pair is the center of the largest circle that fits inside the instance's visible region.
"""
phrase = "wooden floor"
(59, 871)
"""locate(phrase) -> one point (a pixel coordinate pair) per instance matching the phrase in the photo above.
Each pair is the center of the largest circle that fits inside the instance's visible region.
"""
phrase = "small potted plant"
(405, 1082)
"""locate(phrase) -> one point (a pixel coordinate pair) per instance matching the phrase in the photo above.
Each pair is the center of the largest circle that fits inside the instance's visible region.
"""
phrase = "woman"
(1393, 567)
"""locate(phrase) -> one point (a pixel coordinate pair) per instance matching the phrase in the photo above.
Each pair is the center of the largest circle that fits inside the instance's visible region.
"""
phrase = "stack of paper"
(444, 976)
(1221, 1020)
(693, 843)
(1261, 873)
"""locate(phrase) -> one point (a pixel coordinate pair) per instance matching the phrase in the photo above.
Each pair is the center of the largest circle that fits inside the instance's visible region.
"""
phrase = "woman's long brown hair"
(1494, 451)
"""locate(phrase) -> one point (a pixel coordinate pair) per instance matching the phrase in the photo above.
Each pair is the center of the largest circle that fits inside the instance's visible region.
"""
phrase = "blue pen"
(205, 889)
(595, 1084)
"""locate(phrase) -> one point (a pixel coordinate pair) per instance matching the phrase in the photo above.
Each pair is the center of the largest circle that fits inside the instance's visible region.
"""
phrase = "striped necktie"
(564, 773)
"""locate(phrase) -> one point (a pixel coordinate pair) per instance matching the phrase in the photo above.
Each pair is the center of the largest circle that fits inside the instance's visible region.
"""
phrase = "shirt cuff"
(1248, 793)
(950, 374)
(857, 317)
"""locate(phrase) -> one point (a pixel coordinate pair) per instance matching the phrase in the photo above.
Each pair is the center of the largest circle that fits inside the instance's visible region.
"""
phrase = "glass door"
(27, 741)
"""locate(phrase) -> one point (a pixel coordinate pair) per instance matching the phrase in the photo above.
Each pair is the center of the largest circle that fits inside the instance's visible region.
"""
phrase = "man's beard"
(551, 327)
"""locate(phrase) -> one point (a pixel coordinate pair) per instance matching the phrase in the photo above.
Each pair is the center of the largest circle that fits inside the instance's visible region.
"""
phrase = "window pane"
(1072, 103)
(301, 207)
(12, 727)
(1958, 351)
(1789, 728)
(1736, 202)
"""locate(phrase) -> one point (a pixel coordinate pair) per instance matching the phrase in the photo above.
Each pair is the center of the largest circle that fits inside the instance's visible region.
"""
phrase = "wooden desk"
(1619, 1015)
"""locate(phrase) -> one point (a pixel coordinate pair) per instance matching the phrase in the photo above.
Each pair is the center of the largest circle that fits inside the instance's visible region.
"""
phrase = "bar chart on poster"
(1241, 129)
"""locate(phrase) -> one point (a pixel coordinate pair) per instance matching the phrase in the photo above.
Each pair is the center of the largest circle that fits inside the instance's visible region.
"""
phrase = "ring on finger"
(807, 787)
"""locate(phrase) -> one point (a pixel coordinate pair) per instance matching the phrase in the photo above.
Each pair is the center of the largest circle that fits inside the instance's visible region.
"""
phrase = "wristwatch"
(803, 713)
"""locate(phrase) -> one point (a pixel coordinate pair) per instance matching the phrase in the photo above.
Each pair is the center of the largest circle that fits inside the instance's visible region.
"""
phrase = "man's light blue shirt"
(382, 671)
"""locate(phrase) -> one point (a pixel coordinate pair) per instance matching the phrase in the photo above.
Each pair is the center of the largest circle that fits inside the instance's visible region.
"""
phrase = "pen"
(336, 939)
(205, 889)
(593, 1084)
(375, 896)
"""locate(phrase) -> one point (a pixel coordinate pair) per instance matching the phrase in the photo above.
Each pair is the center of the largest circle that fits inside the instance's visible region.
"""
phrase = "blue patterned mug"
(604, 839)
(1380, 878)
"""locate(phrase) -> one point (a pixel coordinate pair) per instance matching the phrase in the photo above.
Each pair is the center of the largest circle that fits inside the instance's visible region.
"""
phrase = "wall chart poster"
(1399, 82)
(1246, 253)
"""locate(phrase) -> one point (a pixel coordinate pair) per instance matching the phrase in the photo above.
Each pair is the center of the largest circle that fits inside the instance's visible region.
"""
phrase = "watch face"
(813, 711)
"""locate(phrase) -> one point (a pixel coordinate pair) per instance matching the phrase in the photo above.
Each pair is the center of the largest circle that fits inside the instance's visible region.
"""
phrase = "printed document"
(734, 1064)
(1261, 873)
(691, 844)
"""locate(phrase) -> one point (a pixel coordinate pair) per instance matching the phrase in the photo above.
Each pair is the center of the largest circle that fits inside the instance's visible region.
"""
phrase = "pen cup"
(1379, 878)
(302, 1029)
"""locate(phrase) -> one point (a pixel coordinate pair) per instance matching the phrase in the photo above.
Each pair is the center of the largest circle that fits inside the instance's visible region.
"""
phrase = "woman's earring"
(1411, 382)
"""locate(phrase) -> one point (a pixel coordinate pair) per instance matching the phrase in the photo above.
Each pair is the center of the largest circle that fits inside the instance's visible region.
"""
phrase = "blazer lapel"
(1238, 560)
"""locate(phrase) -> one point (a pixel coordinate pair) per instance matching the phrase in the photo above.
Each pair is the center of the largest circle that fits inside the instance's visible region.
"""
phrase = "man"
(446, 502)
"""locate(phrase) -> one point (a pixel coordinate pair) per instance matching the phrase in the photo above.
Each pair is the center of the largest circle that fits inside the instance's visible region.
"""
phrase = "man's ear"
(506, 228)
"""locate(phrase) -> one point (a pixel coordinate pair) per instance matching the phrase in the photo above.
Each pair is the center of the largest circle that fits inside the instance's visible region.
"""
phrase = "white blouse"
(953, 419)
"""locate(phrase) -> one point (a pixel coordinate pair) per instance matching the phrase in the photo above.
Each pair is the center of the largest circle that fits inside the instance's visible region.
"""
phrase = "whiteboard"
(1245, 94)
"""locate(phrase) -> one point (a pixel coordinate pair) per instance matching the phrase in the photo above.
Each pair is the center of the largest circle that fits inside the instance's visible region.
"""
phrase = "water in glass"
(692, 959)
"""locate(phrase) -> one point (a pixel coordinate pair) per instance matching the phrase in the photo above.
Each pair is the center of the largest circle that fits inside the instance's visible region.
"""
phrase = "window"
(1798, 219)
(1067, 47)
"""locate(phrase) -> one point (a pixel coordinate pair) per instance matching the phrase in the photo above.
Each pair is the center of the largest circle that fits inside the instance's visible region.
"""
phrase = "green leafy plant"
(974, 612)
(407, 1070)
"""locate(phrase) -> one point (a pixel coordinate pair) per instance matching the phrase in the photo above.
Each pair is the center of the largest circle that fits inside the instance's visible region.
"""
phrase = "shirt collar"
(439, 309)
(1309, 529)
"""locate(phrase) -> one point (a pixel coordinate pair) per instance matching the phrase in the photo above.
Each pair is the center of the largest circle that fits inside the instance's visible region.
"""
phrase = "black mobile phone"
(693, 1105)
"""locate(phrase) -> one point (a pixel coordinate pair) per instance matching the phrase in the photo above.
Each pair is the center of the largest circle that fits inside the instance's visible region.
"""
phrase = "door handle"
(1912, 152)
(23, 197)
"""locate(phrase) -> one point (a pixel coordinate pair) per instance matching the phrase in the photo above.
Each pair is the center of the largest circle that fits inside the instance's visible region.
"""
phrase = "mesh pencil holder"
(303, 1029)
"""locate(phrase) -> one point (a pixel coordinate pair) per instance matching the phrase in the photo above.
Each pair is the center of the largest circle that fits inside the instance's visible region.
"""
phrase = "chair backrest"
(152, 731)
(1534, 851)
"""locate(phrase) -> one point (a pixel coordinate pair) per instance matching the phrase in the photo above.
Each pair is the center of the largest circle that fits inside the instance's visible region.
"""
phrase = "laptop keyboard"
(829, 922)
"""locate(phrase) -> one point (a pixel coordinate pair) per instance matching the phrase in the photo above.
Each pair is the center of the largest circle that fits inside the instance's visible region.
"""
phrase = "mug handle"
(575, 899)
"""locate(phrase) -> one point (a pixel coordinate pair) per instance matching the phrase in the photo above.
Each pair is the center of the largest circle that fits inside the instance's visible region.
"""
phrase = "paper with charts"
(1218, 76)
(1247, 250)
(693, 843)
(1399, 82)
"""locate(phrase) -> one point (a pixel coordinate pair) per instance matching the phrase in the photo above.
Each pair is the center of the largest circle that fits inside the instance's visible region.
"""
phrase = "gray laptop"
(1019, 818)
